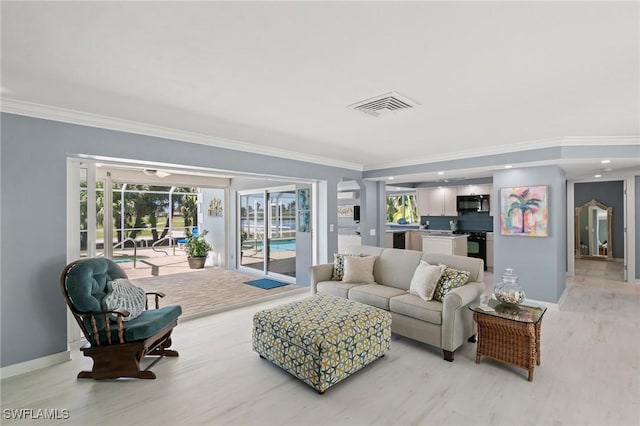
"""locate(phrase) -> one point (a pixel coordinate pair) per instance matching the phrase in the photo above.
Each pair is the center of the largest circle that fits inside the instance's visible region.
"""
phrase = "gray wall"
(33, 190)
(304, 243)
(217, 235)
(539, 262)
(637, 218)
(612, 194)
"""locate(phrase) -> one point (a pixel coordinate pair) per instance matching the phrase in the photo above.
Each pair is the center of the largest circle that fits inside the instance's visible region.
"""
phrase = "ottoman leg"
(448, 355)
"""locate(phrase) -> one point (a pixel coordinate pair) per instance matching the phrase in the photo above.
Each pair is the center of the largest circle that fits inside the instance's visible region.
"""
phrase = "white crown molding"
(600, 140)
(515, 147)
(48, 112)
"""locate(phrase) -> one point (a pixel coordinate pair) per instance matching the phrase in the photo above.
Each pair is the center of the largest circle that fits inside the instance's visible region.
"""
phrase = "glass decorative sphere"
(508, 290)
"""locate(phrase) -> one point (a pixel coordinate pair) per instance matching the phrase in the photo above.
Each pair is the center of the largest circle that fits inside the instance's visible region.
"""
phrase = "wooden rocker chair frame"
(118, 359)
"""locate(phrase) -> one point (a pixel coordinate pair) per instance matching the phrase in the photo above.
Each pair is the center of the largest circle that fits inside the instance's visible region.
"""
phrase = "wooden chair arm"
(157, 294)
(119, 312)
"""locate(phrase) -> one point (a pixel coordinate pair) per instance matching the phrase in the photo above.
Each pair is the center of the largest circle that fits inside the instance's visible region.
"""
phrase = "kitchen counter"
(445, 243)
(449, 236)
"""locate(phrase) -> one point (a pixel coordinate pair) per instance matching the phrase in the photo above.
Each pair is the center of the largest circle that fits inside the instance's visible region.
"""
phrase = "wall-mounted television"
(356, 213)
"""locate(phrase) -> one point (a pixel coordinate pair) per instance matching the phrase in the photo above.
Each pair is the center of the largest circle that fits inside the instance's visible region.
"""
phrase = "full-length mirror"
(593, 231)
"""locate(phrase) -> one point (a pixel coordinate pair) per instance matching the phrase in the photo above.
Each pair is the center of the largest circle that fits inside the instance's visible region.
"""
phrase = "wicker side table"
(510, 334)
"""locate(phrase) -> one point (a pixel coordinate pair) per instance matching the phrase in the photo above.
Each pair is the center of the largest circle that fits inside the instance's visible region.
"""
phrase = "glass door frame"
(267, 227)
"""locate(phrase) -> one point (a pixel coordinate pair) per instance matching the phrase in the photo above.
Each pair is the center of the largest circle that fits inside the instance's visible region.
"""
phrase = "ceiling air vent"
(383, 104)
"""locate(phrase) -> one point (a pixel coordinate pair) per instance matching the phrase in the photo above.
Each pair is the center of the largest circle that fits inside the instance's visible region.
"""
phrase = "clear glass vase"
(508, 290)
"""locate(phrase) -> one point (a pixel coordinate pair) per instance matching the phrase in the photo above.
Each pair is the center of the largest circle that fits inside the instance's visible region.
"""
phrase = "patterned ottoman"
(322, 339)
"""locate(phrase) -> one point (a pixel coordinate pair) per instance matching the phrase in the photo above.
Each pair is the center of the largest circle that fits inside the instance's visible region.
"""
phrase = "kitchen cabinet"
(422, 202)
(447, 245)
(388, 241)
(414, 240)
(474, 190)
(490, 250)
(442, 201)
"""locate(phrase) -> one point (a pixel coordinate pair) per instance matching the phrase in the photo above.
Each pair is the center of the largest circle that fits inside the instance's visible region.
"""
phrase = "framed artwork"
(345, 211)
(524, 211)
(303, 199)
(304, 221)
(215, 207)
(304, 210)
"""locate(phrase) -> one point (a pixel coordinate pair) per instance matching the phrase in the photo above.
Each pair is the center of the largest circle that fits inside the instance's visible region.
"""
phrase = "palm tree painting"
(524, 211)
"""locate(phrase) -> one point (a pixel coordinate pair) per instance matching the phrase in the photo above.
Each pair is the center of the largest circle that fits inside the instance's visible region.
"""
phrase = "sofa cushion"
(395, 267)
(425, 280)
(359, 269)
(338, 265)
(335, 288)
(450, 279)
(363, 250)
(414, 307)
(374, 295)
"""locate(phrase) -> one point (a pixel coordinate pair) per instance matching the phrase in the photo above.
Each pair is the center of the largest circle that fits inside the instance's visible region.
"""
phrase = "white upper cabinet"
(422, 202)
(474, 190)
(442, 201)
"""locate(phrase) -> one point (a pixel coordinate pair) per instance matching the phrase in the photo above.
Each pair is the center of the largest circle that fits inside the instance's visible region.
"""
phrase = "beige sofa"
(447, 324)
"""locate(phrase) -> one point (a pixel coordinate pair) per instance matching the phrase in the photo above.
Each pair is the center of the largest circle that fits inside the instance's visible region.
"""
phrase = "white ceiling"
(489, 76)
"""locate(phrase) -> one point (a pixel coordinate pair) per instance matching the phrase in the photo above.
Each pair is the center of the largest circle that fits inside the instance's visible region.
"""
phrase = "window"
(402, 206)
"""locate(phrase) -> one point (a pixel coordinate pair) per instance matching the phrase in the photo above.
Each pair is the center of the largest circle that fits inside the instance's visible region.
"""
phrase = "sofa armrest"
(462, 296)
(457, 320)
(320, 273)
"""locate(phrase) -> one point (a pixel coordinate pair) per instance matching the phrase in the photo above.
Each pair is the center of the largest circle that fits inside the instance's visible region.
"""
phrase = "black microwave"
(472, 203)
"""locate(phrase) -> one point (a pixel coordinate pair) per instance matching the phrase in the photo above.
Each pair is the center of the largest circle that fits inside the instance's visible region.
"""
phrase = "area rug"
(265, 283)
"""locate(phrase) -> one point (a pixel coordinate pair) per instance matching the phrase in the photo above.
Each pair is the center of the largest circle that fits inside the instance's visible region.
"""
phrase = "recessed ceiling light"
(391, 178)
(605, 161)
(440, 173)
(508, 166)
(597, 176)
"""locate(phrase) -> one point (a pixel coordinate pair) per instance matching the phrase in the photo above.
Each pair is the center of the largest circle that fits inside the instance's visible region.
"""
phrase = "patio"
(198, 291)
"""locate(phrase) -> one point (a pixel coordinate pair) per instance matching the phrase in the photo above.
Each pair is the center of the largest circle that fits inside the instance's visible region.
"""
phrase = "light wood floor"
(590, 375)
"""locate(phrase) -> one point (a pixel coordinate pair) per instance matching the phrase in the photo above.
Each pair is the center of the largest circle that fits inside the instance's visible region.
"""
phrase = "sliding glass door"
(281, 236)
(267, 231)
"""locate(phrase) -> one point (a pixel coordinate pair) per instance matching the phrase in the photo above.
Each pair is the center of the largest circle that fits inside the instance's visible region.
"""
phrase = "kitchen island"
(445, 243)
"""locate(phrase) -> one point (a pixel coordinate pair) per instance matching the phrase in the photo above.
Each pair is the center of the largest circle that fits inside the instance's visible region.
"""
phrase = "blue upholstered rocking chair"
(116, 346)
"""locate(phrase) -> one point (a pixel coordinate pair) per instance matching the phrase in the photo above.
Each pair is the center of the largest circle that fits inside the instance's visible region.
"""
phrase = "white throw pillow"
(425, 280)
(125, 295)
(359, 269)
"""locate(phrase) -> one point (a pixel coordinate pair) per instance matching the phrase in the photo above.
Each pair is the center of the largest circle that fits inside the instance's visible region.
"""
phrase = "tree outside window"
(402, 206)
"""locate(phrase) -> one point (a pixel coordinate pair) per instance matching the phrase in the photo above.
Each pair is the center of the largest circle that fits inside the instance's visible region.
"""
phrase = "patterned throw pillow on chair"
(123, 294)
(450, 279)
(338, 265)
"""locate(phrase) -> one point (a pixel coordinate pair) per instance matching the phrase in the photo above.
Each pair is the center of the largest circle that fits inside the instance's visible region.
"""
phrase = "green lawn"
(178, 224)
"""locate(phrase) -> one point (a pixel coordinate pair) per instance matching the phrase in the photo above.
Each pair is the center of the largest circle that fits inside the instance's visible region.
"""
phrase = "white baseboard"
(554, 306)
(34, 364)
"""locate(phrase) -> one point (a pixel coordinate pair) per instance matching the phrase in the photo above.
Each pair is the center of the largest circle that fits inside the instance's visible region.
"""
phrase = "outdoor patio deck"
(198, 291)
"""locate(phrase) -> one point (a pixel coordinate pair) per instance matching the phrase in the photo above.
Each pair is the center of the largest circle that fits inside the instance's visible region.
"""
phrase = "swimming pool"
(280, 245)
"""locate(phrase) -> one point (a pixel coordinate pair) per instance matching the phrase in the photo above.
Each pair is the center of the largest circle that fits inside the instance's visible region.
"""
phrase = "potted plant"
(197, 249)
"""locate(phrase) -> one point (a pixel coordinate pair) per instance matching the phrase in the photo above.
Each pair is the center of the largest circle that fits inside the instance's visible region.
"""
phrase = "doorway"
(267, 231)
